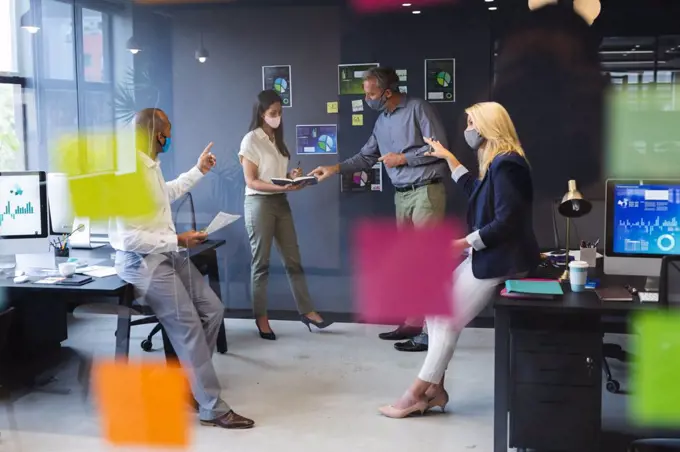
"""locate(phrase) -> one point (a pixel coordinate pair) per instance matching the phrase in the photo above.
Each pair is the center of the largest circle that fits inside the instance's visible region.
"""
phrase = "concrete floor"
(307, 392)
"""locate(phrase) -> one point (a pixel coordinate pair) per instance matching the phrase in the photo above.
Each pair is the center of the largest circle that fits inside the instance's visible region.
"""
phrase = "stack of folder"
(542, 289)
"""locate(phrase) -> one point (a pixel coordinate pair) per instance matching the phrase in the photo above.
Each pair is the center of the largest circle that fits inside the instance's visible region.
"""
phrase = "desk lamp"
(572, 206)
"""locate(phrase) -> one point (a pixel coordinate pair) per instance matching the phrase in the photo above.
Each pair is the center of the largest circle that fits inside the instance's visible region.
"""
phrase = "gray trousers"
(269, 220)
(190, 313)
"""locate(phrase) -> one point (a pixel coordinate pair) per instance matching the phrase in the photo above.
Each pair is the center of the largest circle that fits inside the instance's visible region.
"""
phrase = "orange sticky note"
(142, 404)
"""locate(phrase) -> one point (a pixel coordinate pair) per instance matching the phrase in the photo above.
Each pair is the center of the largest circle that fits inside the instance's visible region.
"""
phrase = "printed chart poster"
(440, 80)
(279, 79)
(351, 78)
(317, 139)
(363, 181)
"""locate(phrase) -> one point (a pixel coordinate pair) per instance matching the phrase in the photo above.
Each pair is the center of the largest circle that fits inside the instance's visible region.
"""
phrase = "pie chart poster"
(279, 79)
(317, 139)
(440, 80)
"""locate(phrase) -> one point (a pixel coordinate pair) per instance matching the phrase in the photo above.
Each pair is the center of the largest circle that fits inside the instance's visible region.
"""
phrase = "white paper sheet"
(97, 271)
(220, 221)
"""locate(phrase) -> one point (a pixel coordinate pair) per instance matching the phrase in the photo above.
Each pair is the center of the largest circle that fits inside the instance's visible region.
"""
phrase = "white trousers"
(469, 297)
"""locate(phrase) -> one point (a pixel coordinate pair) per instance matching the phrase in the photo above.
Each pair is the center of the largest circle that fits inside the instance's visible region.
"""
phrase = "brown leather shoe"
(230, 420)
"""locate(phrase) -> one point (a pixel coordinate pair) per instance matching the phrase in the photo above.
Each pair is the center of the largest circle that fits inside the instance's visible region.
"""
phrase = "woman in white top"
(268, 217)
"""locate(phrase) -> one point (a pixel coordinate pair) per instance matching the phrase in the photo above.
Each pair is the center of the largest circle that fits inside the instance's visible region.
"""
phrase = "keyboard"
(648, 297)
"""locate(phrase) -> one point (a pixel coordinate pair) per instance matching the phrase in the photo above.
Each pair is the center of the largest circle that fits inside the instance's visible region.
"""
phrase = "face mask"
(473, 139)
(274, 123)
(165, 147)
(378, 104)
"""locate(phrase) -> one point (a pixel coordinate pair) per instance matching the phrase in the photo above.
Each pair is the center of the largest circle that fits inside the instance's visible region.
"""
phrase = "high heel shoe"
(309, 322)
(441, 399)
(268, 336)
(419, 407)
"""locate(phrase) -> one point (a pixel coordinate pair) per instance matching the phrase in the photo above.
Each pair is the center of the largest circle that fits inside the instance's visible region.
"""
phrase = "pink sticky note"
(403, 272)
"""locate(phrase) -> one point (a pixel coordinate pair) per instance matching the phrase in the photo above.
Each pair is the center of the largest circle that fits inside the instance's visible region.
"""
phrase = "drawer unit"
(552, 369)
(555, 395)
(555, 418)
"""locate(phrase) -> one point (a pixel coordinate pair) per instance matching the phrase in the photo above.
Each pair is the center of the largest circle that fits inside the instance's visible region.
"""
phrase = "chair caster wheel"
(613, 386)
(147, 345)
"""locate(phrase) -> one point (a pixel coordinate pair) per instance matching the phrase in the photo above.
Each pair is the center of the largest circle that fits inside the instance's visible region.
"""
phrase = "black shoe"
(401, 333)
(268, 336)
(410, 346)
(308, 322)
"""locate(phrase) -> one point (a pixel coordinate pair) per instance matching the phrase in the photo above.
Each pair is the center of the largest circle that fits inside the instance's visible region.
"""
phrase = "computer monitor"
(642, 226)
(23, 213)
(61, 212)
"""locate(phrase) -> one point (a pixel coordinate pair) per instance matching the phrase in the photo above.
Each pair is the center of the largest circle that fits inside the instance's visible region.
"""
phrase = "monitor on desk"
(23, 213)
(642, 226)
(61, 212)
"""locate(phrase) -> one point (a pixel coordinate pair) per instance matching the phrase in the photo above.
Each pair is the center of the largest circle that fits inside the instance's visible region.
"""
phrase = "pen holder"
(588, 255)
(61, 252)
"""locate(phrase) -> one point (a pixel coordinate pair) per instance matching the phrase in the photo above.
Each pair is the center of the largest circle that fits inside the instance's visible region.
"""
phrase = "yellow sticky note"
(103, 184)
(655, 399)
(357, 120)
(143, 404)
(331, 107)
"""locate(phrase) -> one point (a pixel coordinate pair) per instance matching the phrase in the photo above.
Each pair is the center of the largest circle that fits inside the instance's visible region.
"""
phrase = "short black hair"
(386, 77)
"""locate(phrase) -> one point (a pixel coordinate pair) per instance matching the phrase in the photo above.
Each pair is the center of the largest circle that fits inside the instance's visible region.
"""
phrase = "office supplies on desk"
(75, 280)
(614, 293)
(648, 297)
(533, 287)
(97, 271)
(578, 275)
(67, 269)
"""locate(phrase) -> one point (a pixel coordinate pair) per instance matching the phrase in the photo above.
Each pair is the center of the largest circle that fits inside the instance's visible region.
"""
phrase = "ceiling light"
(488, 1)
(28, 22)
(133, 46)
(493, 8)
(202, 54)
(416, 12)
(406, 5)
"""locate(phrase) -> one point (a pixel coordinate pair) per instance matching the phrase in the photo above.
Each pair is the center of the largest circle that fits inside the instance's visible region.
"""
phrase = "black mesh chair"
(202, 263)
(669, 296)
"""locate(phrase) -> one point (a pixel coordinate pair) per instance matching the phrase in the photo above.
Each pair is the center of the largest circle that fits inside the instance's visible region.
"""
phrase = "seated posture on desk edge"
(148, 257)
(502, 240)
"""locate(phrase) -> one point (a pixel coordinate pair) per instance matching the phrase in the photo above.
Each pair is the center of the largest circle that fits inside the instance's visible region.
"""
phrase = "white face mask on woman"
(273, 122)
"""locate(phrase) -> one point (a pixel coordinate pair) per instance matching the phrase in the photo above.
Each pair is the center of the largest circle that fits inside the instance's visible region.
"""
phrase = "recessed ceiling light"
(416, 12)
(492, 8)
(488, 1)
(406, 5)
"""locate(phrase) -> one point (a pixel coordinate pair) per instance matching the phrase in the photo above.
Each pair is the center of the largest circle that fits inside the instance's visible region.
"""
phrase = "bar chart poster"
(440, 80)
(20, 205)
(279, 78)
(317, 139)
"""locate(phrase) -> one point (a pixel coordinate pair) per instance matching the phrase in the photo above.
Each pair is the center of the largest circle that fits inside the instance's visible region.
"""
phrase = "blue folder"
(534, 287)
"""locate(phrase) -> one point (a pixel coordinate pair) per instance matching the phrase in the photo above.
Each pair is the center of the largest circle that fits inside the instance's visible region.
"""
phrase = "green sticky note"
(655, 377)
(102, 183)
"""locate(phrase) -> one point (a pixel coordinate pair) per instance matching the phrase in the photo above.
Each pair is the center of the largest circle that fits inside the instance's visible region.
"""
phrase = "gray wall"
(213, 102)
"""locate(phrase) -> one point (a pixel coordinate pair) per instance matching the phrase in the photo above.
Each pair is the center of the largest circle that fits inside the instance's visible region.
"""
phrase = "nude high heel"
(441, 399)
(418, 407)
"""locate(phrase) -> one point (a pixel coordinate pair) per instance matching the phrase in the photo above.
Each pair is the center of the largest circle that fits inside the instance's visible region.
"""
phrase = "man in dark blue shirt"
(397, 142)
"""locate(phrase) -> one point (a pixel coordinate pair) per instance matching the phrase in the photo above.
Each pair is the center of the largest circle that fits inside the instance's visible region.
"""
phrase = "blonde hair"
(493, 123)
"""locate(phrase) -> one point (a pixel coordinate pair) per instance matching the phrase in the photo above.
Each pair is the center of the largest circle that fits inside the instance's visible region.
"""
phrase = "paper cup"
(578, 275)
(67, 269)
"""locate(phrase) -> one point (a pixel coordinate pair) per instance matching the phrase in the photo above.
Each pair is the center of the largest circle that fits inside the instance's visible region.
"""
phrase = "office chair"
(669, 294)
(147, 344)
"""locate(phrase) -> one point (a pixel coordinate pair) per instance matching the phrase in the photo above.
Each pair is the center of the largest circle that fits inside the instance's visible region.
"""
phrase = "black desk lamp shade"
(573, 205)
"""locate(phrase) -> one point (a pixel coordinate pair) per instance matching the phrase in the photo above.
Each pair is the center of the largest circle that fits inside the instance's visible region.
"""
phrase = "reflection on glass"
(93, 46)
(12, 150)
(59, 110)
(57, 39)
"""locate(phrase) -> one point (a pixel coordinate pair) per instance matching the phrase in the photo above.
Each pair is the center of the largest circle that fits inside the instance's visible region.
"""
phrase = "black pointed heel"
(309, 322)
(268, 336)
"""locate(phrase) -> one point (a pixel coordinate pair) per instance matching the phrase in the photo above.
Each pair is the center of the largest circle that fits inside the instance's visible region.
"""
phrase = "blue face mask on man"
(166, 146)
(378, 104)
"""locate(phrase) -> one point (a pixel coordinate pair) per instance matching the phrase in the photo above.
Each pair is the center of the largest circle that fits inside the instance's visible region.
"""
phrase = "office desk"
(548, 369)
(114, 287)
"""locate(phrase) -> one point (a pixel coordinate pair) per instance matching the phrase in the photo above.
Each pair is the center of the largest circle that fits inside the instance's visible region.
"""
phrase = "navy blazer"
(500, 209)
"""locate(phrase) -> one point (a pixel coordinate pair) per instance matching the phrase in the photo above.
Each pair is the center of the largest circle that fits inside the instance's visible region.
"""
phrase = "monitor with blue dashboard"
(642, 225)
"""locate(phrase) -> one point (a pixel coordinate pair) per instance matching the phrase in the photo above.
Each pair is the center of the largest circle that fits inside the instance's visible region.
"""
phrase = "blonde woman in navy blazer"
(501, 236)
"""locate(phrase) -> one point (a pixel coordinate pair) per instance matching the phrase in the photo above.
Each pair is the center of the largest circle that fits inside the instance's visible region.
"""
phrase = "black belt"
(417, 185)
